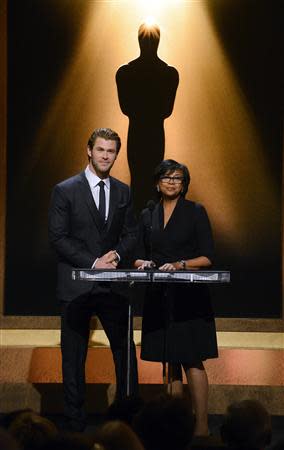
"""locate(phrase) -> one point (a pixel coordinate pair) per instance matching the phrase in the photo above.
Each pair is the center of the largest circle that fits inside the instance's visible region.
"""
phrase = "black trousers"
(112, 310)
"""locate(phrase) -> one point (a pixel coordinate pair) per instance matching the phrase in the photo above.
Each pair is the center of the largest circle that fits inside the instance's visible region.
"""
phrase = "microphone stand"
(151, 205)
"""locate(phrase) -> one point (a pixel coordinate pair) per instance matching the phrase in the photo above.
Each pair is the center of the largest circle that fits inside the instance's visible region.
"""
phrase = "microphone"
(151, 206)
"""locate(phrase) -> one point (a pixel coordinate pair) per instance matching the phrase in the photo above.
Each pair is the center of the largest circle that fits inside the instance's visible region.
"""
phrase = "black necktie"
(102, 201)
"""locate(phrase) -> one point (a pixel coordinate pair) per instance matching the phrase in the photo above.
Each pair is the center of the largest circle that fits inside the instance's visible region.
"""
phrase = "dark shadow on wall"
(146, 90)
(41, 40)
(251, 33)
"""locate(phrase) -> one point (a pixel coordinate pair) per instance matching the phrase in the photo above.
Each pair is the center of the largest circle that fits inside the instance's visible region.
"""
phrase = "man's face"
(102, 156)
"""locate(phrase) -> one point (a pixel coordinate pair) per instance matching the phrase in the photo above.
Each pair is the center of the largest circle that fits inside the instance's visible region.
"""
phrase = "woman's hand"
(167, 267)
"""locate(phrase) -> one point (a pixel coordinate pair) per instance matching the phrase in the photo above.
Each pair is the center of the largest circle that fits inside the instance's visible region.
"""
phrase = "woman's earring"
(158, 188)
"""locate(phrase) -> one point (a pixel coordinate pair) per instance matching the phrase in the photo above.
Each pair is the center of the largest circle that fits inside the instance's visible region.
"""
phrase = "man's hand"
(107, 261)
(146, 265)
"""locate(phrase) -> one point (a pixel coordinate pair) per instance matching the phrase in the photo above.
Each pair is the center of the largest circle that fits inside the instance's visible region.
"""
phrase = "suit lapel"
(88, 198)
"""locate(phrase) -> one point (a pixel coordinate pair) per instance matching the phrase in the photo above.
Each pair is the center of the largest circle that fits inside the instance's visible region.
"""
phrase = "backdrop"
(225, 125)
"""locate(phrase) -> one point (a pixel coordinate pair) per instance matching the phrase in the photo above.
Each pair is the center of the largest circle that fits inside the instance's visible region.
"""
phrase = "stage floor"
(250, 365)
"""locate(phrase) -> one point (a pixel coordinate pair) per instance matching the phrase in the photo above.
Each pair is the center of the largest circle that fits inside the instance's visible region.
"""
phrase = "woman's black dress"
(178, 320)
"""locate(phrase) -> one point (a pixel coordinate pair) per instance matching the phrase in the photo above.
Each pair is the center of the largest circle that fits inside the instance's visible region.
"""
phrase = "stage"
(250, 365)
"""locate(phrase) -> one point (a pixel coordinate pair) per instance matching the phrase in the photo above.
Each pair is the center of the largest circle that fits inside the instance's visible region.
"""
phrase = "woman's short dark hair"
(169, 166)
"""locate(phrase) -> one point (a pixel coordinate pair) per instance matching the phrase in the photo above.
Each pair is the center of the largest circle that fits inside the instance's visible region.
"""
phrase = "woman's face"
(171, 184)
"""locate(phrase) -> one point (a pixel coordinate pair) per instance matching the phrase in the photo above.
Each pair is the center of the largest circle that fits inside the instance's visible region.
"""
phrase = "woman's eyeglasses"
(174, 180)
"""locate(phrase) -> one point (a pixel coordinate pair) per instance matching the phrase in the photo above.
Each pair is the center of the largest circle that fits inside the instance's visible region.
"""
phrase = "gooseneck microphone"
(151, 206)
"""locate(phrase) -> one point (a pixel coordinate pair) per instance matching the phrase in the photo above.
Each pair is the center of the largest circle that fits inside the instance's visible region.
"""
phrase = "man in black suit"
(91, 224)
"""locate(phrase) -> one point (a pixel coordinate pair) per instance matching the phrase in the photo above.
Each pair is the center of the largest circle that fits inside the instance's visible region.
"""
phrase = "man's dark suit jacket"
(78, 236)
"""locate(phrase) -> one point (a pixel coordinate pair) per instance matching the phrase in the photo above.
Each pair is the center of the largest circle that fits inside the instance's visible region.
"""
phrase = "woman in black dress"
(178, 320)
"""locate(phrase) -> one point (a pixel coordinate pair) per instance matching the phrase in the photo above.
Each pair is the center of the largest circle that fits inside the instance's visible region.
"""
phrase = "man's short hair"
(106, 133)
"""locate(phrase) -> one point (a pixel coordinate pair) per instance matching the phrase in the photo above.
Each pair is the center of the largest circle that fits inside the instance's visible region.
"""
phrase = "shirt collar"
(93, 179)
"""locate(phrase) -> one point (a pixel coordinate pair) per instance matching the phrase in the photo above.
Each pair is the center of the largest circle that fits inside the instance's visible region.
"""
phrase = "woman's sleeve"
(204, 233)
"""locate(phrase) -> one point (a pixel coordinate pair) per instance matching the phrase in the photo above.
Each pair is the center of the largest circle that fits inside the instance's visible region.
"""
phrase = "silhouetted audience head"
(279, 445)
(246, 425)
(7, 442)
(148, 37)
(8, 418)
(124, 409)
(165, 422)
(117, 435)
(69, 441)
(31, 430)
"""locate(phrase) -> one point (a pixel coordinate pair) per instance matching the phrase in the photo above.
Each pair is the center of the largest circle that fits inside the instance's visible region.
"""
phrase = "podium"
(131, 277)
(151, 276)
